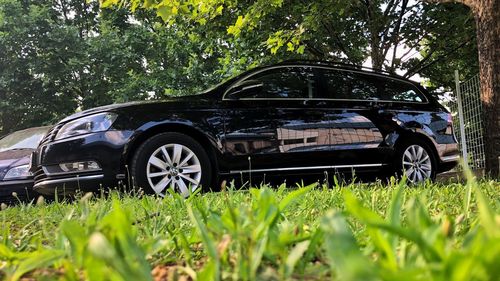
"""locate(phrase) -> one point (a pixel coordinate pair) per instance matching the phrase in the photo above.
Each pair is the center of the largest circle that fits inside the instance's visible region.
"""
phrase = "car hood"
(13, 158)
(172, 103)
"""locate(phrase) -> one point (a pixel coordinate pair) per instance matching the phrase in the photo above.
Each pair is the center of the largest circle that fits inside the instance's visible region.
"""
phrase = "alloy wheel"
(174, 166)
(417, 164)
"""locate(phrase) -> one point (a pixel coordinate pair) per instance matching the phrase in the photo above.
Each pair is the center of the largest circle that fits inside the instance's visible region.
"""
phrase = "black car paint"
(254, 135)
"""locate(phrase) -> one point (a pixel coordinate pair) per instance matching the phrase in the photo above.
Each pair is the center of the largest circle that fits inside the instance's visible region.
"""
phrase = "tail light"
(449, 128)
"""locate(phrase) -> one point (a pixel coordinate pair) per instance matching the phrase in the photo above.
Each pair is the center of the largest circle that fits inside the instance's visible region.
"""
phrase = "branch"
(337, 40)
(395, 35)
(315, 51)
(473, 4)
(390, 9)
(414, 70)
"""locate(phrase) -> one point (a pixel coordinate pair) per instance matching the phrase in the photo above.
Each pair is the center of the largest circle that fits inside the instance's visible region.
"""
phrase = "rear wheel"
(171, 160)
(416, 160)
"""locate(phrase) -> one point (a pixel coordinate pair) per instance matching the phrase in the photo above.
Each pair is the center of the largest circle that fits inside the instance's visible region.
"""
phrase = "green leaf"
(373, 220)
(77, 238)
(487, 215)
(294, 256)
(164, 12)
(40, 259)
(395, 213)
(345, 258)
(208, 272)
(208, 242)
(108, 3)
(294, 195)
(301, 49)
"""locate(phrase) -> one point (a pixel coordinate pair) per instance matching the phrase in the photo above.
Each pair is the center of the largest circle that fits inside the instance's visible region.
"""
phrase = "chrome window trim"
(307, 168)
(235, 84)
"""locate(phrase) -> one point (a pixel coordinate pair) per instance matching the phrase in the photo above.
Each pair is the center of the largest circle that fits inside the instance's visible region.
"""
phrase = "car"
(15, 152)
(292, 117)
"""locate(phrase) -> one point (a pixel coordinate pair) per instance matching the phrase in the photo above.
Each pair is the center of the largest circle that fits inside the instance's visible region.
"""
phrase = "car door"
(357, 129)
(273, 123)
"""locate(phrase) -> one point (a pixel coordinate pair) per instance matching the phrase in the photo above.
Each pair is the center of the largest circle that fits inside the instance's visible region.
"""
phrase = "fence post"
(461, 120)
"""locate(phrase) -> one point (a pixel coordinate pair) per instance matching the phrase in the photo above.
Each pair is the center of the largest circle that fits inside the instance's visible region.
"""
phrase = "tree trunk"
(487, 14)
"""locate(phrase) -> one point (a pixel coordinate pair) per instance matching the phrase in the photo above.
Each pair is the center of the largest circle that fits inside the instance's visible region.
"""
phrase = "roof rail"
(341, 64)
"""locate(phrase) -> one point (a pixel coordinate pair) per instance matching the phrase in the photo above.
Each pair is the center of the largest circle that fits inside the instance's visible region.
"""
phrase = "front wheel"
(171, 160)
(417, 161)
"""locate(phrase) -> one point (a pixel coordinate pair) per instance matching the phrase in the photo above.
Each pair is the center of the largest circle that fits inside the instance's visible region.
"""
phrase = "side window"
(288, 82)
(339, 84)
(364, 87)
(400, 91)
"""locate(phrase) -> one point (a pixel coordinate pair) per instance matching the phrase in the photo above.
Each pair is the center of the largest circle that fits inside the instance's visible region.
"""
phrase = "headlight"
(18, 172)
(89, 124)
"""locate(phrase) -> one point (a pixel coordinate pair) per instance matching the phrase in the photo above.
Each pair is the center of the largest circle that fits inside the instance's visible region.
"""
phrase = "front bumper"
(105, 148)
(22, 188)
(71, 185)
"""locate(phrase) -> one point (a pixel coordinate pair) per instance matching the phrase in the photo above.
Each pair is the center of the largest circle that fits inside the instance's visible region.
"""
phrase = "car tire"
(171, 160)
(417, 160)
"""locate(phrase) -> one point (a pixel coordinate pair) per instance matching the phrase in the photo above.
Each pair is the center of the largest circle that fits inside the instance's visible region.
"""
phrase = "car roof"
(340, 65)
(333, 65)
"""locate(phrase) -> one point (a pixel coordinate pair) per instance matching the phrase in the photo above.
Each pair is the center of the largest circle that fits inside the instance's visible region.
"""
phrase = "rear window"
(400, 91)
(357, 86)
(347, 85)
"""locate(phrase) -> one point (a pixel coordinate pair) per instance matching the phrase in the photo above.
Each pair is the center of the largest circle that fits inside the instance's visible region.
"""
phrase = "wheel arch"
(411, 135)
(185, 129)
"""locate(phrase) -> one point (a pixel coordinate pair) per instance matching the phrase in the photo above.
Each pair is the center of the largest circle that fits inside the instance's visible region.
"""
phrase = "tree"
(487, 15)
(439, 59)
(349, 31)
(60, 56)
(34, 82)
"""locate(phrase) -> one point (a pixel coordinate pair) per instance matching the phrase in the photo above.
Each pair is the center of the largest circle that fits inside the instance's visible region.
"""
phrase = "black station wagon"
(294, 117)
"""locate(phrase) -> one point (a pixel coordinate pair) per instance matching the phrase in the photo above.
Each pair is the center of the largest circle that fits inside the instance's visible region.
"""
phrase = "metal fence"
(466, 108)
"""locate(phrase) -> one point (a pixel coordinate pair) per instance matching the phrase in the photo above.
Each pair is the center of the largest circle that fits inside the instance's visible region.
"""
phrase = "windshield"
(25, 139)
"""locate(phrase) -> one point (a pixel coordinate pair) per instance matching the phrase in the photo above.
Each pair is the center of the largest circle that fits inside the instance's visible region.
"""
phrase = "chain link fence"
(466, 108)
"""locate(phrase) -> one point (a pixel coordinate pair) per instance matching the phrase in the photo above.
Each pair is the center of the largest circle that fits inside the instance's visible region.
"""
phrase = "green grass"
(348, 232)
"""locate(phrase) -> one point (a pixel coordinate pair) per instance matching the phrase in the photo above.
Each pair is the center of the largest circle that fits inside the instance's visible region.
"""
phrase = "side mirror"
(245, 89)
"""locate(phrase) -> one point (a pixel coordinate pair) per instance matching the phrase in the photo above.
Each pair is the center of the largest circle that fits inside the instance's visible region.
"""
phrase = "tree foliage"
(57, 57)
(387, 32)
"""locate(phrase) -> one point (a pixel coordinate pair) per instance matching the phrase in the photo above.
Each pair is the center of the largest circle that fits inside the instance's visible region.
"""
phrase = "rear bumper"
(447, 152)
(23, 190)
(448, 162)
(450, 159)
(449, 155)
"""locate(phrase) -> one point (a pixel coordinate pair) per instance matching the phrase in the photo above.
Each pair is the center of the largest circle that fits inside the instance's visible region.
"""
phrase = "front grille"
(39, 175)
(51, 135)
